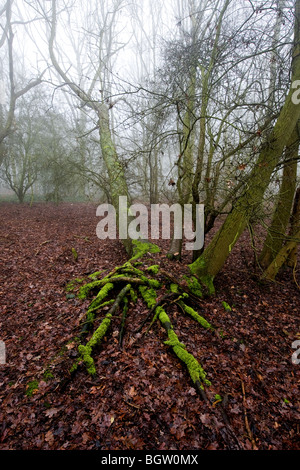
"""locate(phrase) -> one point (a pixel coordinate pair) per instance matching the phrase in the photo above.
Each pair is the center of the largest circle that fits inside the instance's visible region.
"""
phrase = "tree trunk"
(277, 230)
(216, 254)
(271, 272)
(117, 181)
(295, 226)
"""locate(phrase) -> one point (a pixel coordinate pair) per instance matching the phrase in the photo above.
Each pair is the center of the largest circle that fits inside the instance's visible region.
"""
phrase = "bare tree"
(101, 106)
(7, 119)
(215, 255)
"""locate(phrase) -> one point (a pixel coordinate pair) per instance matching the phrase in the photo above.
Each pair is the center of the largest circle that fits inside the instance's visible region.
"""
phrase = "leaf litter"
(141, 397)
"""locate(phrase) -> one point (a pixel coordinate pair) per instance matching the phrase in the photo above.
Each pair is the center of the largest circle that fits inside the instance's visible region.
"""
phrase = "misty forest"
(140, 342)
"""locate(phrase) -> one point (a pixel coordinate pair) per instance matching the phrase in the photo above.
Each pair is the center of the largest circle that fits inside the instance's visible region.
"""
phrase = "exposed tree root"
(114, 294)
(86, 351)
(129, 281)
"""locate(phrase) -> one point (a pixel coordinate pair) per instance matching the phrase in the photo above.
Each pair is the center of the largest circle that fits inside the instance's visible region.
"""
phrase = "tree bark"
(280, 260)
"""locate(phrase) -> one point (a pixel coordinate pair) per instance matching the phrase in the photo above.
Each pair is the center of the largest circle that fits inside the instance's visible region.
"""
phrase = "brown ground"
(142, 397)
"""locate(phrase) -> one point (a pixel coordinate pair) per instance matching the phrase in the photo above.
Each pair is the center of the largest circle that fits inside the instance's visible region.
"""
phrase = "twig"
(181, 285)
(125, 310)
(40, 246)
(294, 274)
(250, 435)
(131, 404)
(158, 303)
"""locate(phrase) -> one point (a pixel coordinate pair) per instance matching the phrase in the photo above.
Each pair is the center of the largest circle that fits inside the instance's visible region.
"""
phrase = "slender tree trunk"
(117, 181)
(186, 162)
(206, 75)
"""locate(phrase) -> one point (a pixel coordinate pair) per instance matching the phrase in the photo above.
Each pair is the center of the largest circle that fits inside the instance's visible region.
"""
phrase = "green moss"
(73, 284)
(158, 311)
(47, 375)
(133, 295)
(195, 370)
(190, 311)
(85, 351)
(163, 317)
(75, 254)
(94, 276)
(127, 268)
(208, 282)
(194, 285)
(149, 295)
(154, 269)
(199, 264)
(95, 304)
(140, 248)
(105, 304)
(174, 288)
(173, 340)
(226, 306)
(32, 387)
(153, 283)
(85, 290)
(199, 268)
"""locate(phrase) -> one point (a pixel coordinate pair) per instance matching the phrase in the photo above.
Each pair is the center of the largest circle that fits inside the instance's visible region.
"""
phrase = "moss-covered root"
(122, 327)
(199, 270)
(195, 315)
(189, 310)
(141, 247)
(85, 351)
(95, 305)
(197, 373)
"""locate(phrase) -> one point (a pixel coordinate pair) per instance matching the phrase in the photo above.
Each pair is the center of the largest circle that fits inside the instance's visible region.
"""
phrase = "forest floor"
(141, 397)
